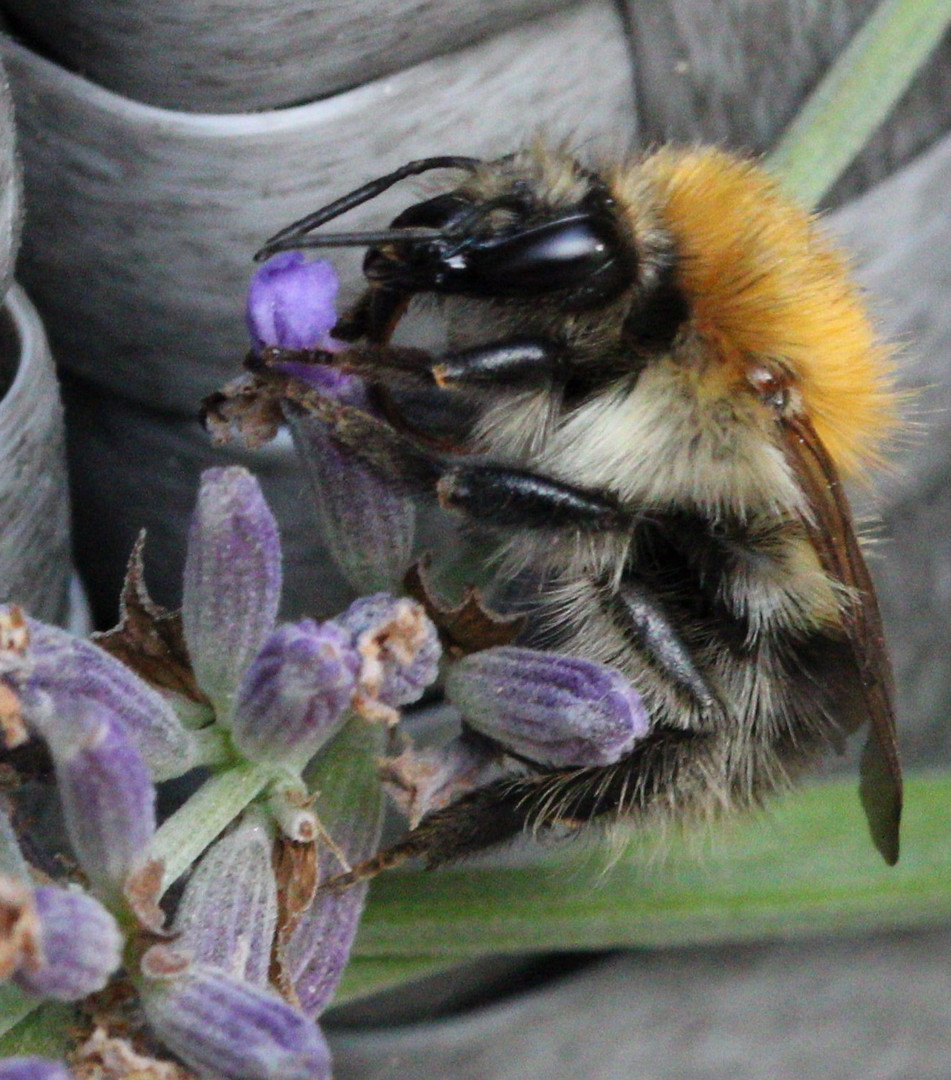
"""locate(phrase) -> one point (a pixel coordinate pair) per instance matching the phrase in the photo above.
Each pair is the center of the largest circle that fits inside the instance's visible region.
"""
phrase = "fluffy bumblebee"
(670, 371)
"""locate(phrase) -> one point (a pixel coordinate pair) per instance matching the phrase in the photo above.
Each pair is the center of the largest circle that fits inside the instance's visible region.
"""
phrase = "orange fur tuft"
(766, 285)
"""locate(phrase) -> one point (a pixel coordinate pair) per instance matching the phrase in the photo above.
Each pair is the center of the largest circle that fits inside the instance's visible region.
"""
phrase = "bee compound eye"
(579, 255)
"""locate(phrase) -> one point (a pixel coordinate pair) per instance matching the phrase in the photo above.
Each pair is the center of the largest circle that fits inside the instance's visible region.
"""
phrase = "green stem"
(185, 835)
(857, 94)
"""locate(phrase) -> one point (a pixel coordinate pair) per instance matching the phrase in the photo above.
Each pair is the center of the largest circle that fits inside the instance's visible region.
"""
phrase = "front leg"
(494, 494)
(522, 363)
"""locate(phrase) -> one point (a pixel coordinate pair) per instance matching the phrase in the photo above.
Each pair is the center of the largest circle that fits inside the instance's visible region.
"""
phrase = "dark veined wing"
(832, 533)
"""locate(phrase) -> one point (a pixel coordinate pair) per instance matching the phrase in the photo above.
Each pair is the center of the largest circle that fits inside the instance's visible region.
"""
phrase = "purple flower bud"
(367, 526)
(33, 1068)
(221, 1026)
(350, 805)
(232, 582)
(291, 302)
(73, 676)
(421, 781)
(557, 710)
(81, 946)
(108, 801)
(295, 692)
(398, 644)
(228, 914)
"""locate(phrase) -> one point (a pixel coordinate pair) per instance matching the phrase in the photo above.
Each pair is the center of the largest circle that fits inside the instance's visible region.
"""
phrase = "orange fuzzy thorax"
(766, 286)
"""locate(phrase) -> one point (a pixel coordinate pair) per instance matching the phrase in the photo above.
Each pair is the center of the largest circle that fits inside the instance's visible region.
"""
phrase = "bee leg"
(502, 496)
(517, 364)
(520, 363)
(495, 494)
(642, 616)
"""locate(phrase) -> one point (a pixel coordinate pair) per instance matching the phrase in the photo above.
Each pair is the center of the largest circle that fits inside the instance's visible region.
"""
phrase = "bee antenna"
(370, 190)
(354, 239)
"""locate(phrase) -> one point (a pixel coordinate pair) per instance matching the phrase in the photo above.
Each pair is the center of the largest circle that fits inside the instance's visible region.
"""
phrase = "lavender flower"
(232, 582)
(108, 802)
(80, 942)
(399, 646)
(33, 1068)
(557, 710)
(295, 692)
(228, 913)
(70, 678)
(221, 1026)
(291, 303)
(367, 526)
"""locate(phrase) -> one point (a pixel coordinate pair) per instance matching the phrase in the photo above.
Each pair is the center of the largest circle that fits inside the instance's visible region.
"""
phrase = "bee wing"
(832, 533)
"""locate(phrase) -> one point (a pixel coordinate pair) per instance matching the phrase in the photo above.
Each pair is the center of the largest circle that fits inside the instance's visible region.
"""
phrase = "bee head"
(495, 238)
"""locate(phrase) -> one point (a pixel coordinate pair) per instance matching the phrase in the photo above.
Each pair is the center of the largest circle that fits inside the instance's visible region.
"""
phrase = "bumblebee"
(670, 374)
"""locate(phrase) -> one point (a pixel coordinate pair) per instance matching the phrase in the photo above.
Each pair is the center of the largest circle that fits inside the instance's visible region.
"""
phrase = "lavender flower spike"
(228, 914)
(67, 670)
(295, 693)
(232, 582)
(556, 710)
(108, 801)
(33, 1068)
(291, 303)
(81, 946)
(221, 1026)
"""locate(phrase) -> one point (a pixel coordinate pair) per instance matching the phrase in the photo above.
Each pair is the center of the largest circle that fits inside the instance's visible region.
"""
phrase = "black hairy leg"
(520, 363)
(644, 619)
(494, 494)
(562, 799)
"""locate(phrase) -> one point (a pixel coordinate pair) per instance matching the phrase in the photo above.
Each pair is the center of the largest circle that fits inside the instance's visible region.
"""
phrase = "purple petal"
(291, 302)
(421, 781)
(33, 1068)
(68, 670)
(81, 945)
(350, 806)
(399, 646)
(295, 692)
(367, 526)
(557, 710)
(232, 582)
(221, 1026)
(228, 914)
(108, 801)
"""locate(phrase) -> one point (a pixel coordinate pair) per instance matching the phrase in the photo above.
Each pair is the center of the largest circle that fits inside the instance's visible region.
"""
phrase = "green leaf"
(857, 94)
(367, 975)
(807, 867)
(44, 1029)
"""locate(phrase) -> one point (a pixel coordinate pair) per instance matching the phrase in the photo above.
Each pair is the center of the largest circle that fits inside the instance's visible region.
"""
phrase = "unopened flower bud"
(228, 913)
(232, 582)
(295, 692)
(221, 1026)
(33, 1068)
(291, 302)
(71, 677)
(108, 801)
(398, 644)
(80, 943)
(553, 709)
(366, 524)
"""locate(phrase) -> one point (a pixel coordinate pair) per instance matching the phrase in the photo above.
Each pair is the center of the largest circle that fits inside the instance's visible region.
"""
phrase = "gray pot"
(239, 55)
(35, 568)
(142, 222)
